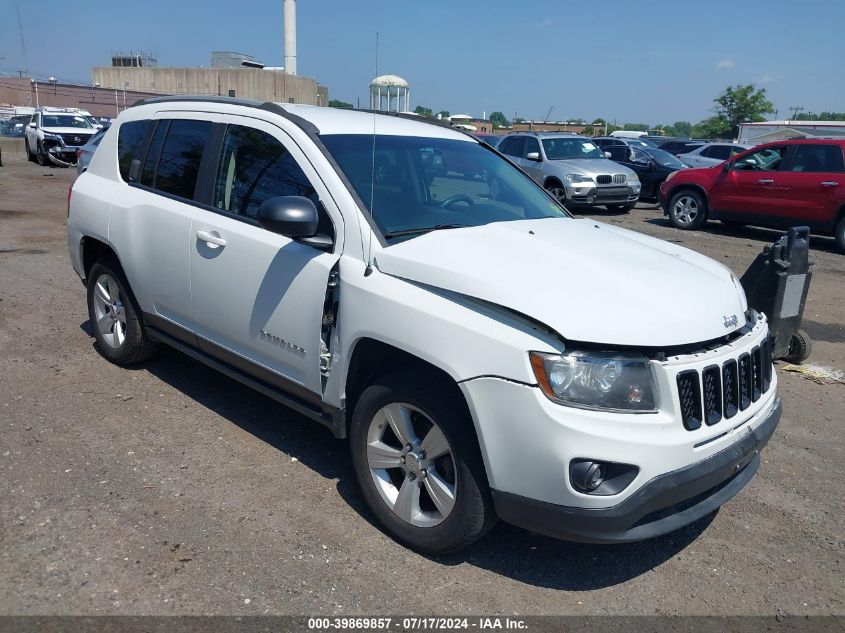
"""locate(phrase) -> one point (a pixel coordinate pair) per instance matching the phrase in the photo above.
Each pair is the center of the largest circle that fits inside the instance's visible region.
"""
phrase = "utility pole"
(796, 110)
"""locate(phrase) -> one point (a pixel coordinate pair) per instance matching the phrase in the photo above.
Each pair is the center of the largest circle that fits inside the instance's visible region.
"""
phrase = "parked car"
(652, 166)
(680, 147)
(84, 153)
(54, 134)
(492, 140)
(611, 141)
(485, 353)
(712, 154)
(574, 170)
(14, 126)
(778, 184)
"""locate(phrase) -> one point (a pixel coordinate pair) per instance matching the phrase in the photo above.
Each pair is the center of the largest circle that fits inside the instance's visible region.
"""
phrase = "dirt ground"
(169, 489)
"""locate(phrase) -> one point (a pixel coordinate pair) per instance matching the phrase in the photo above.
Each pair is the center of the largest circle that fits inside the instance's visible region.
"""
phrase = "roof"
(325, 120)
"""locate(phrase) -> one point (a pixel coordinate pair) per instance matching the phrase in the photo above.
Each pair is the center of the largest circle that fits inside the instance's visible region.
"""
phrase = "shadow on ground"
(506, 550)
(754, 233)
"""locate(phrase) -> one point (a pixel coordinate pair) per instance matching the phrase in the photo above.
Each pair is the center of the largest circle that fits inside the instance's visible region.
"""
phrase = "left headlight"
(597, 380)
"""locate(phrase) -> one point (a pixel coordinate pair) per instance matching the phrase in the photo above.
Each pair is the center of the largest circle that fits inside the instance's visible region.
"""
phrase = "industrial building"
(231, 74)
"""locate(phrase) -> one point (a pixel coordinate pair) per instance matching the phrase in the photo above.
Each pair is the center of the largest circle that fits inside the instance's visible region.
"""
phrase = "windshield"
(422, 184)
(665, 158)
(65, 120)
(566, 148)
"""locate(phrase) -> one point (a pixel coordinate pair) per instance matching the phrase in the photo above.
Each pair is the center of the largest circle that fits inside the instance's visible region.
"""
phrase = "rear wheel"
(840, 234)
(687, 210)
(418, 464)
(118, 330)
(619, 208)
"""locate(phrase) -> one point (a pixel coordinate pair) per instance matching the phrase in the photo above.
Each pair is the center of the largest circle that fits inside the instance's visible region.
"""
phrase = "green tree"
(336, 103)
(679, 128)
(637, 127)
(519, 119)
(738, 104)
(713, 127)
(445, 114)
(424, 111)
(499, 120)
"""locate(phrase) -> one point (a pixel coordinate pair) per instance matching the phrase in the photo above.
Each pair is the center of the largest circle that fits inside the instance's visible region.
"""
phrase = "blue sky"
(654, 61)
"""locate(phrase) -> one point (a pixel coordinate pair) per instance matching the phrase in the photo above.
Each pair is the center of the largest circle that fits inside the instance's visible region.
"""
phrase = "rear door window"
(181, 154)
(130, 143)
(513, 146)
(817, 159)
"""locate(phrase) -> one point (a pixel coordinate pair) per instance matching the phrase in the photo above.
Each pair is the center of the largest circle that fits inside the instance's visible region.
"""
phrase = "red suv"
(779, 184)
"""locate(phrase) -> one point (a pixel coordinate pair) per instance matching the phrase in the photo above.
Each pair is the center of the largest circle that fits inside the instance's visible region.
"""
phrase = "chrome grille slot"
(711, 382)
(689, 392)
(730, 387)
(619, 179)
(756, 374)
(767, 364)
(744, 382)
(604, 179)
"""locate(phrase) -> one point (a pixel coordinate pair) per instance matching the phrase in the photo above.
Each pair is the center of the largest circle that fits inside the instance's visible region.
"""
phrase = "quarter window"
(130, 142)
(181, 154)
(253, 167)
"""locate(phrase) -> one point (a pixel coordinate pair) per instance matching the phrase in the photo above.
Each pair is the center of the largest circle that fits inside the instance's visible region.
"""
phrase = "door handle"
(830, 183)
(211, 238)
(766, 181)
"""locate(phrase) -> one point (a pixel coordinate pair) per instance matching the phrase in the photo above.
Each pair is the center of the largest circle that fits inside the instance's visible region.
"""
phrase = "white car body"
(471, 302)
(712, 154)
(58, 144)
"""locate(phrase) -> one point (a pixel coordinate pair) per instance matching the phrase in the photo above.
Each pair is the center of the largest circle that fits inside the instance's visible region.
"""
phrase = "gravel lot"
(169, 489)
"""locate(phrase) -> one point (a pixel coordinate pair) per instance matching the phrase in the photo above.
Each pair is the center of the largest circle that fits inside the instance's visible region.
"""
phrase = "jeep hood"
(588, 281)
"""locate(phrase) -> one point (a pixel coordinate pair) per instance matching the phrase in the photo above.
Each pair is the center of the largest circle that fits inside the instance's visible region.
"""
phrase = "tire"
(840, 234)
(687, 210)
(557, 190)
(461, 511)
(29, 155)
(619, 208)
(800, 348)
(114, 316)
(40, 157)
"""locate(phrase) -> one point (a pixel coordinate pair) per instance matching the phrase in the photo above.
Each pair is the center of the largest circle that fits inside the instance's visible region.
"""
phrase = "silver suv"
(574, 170)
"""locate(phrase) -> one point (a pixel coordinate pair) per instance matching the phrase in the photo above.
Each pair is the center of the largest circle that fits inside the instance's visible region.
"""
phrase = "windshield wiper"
(422, 229)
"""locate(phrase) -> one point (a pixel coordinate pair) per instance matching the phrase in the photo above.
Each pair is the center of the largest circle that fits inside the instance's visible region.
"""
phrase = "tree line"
(735, 105)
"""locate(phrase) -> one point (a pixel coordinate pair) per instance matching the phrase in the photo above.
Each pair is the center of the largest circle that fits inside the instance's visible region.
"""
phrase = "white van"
(485, 353)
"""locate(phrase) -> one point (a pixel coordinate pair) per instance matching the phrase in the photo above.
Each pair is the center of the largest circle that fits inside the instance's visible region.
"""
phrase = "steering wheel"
(460, 197)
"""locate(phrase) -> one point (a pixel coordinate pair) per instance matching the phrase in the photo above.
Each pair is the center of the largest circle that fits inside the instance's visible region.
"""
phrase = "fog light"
(600, 478)
(587, 476)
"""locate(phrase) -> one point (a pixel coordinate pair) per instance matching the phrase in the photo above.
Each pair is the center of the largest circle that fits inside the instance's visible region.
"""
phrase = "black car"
(680, 147)
(651, 165)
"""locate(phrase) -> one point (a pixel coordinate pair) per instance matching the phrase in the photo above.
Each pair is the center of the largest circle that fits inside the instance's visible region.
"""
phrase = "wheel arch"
(692, 187)
(371, 358)
(93, 249)
(551, 180)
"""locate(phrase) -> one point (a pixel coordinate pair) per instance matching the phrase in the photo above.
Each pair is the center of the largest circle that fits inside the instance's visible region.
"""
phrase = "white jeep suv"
(486, 354)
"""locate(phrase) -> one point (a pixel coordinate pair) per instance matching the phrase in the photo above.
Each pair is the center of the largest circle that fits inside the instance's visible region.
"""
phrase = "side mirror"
(535, 156)
(32, 125)
(608, 155)
(291, 216)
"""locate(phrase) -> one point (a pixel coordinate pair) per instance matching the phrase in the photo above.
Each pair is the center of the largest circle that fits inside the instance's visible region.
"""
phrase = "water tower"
(389, 93)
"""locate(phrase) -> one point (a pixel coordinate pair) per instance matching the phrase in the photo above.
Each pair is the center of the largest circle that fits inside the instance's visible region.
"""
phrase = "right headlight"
(597, 380)
(579, 179)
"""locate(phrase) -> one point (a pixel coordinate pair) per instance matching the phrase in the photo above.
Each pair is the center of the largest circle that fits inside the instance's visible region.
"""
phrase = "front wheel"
(687, 210)
(41, 156)
(118, 329)
(557, 190)
(418, 464)
(29, 155)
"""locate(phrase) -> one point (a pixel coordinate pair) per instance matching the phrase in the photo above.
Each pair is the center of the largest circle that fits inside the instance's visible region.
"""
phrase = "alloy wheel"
(686, 210)
(109, 311)
(559, 193)
(411, 464)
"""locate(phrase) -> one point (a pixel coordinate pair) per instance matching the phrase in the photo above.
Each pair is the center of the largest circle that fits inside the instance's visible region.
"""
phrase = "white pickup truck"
(486, 354)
